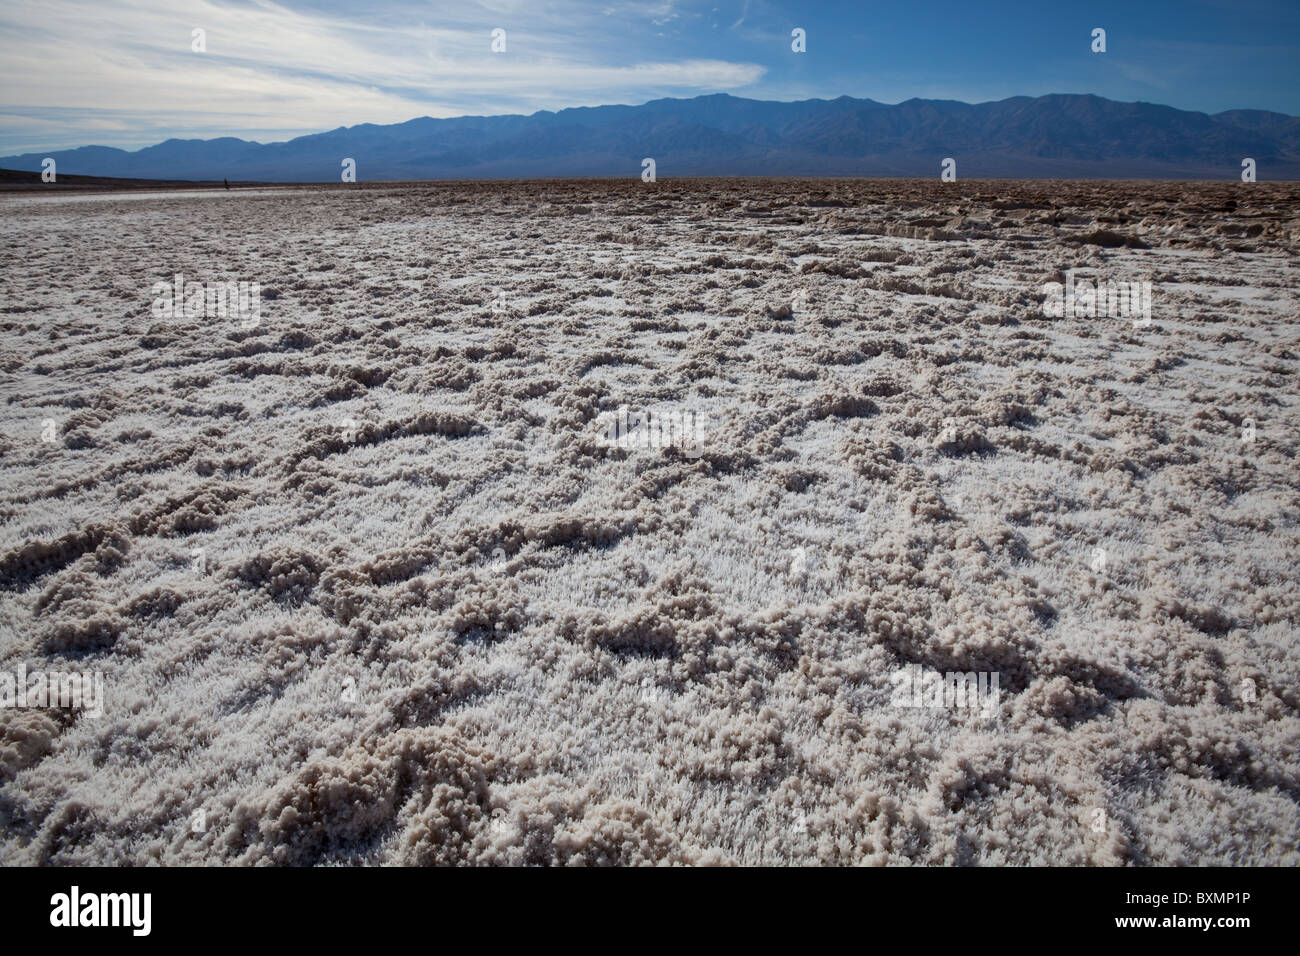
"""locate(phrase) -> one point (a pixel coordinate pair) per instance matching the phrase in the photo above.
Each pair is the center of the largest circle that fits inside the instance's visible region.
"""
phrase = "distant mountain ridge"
(1055, 136)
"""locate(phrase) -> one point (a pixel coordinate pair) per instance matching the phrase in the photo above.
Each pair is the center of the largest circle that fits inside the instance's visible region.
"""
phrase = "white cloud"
(271, 67)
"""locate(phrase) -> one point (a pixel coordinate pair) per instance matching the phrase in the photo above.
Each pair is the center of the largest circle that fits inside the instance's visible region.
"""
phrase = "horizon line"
(661, 99)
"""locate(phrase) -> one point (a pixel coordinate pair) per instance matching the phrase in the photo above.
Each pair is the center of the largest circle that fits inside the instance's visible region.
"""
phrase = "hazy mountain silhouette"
(1062, 135)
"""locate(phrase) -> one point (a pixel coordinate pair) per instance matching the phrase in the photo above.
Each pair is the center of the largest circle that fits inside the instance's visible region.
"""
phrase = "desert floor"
(365, 582)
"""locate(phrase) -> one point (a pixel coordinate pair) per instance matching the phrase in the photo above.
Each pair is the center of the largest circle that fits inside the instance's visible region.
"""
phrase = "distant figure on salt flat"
(227, 182)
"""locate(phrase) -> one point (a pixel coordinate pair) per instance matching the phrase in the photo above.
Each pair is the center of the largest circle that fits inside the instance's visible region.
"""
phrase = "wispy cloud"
(271, 67)
(74, 72)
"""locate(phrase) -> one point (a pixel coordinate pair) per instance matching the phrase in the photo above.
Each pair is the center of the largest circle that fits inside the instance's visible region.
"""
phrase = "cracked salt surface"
(438, 620)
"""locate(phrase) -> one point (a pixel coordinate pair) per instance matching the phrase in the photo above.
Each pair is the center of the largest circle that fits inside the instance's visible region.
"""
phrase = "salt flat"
(366, 582)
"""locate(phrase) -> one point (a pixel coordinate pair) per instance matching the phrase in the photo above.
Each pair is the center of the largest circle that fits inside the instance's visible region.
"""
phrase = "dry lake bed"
(699, 521)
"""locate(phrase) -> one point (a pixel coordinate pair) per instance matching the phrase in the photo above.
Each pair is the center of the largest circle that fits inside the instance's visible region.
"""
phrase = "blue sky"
(123, 73)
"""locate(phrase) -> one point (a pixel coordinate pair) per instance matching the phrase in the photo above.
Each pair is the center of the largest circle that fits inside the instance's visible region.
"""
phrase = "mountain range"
(1055, 136)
